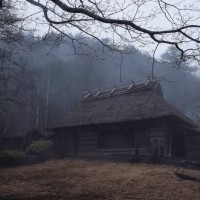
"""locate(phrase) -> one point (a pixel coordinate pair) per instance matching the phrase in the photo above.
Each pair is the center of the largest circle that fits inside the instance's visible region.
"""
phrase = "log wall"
(87, 142)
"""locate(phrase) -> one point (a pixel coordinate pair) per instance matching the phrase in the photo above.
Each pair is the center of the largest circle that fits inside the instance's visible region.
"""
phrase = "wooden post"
(136, 147)
(185, 135)
(170, 144)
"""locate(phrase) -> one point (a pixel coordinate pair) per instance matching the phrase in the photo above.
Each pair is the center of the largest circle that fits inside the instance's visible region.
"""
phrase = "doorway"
(178, 144)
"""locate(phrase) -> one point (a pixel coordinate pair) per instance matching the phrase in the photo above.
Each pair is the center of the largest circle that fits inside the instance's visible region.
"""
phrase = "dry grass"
(87, 180)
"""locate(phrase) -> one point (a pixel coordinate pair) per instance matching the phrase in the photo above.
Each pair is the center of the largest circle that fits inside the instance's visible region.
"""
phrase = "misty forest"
(42, 81)
(99, 99)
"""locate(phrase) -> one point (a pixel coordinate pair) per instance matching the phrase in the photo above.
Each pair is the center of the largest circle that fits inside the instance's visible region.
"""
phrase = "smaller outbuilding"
(22, 141)
(127, 120)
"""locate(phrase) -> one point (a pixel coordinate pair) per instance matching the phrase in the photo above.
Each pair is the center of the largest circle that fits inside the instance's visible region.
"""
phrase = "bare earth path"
(90, 180)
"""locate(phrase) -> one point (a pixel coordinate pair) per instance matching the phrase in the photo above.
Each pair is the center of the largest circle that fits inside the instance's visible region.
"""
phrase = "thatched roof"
(136, 102)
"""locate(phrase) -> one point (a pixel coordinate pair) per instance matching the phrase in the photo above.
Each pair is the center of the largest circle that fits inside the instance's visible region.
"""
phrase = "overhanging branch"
(123, 23)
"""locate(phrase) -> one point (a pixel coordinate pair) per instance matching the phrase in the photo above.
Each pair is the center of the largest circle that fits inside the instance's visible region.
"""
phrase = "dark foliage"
(11, 157)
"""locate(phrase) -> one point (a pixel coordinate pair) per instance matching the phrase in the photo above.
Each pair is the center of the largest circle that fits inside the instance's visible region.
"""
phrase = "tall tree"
(8, 23)
(10, 33)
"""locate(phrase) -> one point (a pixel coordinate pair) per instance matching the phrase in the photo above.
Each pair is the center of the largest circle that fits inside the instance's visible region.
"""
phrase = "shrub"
(11, 157)
(40, 149)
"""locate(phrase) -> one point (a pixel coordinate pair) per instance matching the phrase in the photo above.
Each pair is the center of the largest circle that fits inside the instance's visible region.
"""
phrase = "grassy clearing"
(90, 180)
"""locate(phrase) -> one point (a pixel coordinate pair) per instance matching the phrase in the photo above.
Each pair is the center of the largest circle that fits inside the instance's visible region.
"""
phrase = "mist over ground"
(44, 80)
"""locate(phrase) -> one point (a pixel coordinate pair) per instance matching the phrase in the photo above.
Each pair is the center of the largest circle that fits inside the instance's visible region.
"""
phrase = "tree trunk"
(47, 96)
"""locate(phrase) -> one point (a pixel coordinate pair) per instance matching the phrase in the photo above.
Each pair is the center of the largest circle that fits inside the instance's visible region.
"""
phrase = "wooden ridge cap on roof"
(114, 91)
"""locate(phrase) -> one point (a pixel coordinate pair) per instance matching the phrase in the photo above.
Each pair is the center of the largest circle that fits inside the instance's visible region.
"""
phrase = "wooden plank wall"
(63, 143)
(87, 142)
(192, 145)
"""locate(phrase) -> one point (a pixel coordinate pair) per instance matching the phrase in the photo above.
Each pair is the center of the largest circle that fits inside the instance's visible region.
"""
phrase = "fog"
(44, 80)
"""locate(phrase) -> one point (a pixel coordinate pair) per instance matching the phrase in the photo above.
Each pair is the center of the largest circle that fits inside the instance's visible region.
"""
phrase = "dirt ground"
(91, 180)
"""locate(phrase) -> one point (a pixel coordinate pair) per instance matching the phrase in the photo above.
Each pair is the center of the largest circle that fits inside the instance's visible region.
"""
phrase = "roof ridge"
(115, 91)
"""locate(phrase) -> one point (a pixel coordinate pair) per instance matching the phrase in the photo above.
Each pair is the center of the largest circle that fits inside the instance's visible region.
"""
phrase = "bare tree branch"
(129, 18)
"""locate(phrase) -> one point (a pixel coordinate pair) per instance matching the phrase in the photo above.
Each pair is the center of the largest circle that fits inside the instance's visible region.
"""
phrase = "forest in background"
(42, 80)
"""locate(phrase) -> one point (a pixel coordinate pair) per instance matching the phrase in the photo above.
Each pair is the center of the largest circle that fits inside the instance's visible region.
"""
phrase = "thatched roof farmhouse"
(129, 120)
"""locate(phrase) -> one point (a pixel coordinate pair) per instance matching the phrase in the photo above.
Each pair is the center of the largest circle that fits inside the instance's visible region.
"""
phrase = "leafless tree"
(9, 29)
(143, 22)
(10, 33)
